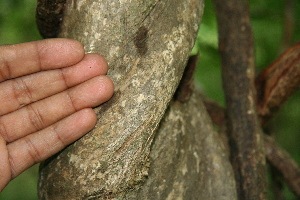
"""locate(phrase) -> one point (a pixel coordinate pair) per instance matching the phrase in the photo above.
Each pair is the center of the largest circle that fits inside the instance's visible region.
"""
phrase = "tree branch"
(278, 82)
(236, 49)
(283, 163)
(146, 44)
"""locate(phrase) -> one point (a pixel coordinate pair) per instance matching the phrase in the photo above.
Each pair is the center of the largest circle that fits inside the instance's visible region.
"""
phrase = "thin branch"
(283, 163)
(278, 82)
(236, 49)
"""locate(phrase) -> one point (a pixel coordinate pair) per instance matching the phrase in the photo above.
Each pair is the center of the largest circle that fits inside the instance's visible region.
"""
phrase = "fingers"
(36, 147)
(41, 114)
(26, 58)
(21, 91)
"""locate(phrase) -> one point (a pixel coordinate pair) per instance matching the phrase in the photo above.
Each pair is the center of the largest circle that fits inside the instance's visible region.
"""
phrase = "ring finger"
(38, 115)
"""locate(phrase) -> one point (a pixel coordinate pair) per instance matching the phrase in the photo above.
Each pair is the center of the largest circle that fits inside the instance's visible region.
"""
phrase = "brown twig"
(236, 49)
(278, 82)
(284, 163)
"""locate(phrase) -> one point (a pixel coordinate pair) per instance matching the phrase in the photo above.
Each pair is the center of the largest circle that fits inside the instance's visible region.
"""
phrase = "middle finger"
(22, 91)
(41, 114)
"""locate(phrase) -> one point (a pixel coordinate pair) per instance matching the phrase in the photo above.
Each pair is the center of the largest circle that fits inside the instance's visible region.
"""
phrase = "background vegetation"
(17, 24)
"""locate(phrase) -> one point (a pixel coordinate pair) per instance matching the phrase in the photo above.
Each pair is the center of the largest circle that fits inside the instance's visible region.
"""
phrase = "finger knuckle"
(35, 117)
(3, 132)
(32, 150)
(13, 168)
(5, 67)
(57, 135)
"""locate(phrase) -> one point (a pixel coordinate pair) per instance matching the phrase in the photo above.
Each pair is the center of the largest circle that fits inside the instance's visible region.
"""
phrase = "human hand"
(47, 89)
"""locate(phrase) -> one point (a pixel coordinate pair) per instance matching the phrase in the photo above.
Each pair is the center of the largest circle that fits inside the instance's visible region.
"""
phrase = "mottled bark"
(138, 150)
(188, 159)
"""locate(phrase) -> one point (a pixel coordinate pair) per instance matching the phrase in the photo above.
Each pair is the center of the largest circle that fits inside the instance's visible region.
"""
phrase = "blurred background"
(272, 33)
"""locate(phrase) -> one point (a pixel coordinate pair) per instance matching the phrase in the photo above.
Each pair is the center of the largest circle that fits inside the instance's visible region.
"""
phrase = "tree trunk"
(146, 145)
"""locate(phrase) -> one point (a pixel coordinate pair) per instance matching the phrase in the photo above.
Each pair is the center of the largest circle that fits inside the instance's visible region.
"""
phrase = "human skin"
(47, 91)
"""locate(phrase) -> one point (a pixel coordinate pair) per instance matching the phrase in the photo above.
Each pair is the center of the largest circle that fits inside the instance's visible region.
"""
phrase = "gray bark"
(145, 145)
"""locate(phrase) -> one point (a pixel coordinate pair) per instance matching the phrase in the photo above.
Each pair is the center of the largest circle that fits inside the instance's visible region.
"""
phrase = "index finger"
(27, 58)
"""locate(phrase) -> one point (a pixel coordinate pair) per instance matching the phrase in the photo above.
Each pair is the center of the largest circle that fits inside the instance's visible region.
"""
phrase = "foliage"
(17, 22)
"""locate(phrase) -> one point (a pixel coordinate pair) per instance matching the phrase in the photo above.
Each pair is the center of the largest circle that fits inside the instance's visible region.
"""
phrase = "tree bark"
(145, 145)
(243, 127)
